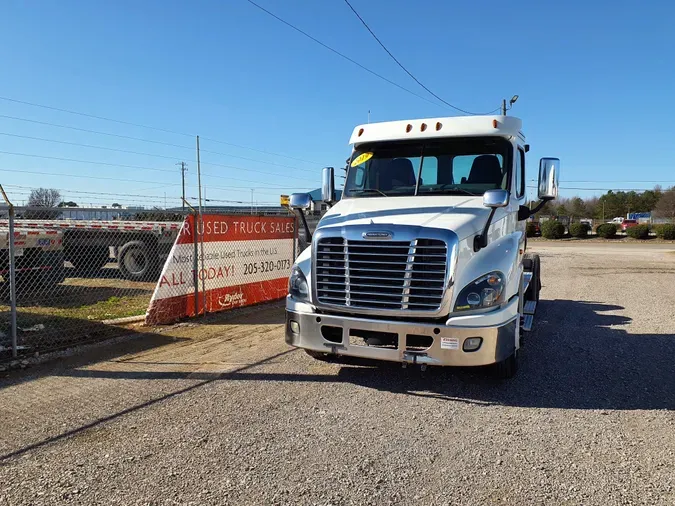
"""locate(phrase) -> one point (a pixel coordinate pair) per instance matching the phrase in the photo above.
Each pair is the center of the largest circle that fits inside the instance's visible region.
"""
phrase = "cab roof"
(430, 128)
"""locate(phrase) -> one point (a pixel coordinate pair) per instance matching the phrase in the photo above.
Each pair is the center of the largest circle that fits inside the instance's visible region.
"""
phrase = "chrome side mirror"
(300, 201)
(496, 198)
(549, 173)
(328, 185)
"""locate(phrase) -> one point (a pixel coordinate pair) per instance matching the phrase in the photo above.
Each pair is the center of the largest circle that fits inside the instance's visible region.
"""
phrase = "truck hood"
(463, 215)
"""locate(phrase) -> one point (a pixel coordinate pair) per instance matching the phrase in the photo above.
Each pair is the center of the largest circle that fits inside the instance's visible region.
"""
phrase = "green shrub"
(552, 229)
(530, 229)
(579, 229)
(666, 231)
(606, 230)
(638, 232)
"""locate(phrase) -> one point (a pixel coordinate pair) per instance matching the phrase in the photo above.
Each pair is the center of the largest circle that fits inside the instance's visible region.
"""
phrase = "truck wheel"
(506, 368)
(532, 263)
(318, 355)
(91, 260)
(135, 261)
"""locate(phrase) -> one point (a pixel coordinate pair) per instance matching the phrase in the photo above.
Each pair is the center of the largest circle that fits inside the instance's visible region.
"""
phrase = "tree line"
(44, 204)
(659, 202)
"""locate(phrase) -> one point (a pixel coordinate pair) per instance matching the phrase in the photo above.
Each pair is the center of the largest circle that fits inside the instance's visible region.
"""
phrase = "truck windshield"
(466, 166)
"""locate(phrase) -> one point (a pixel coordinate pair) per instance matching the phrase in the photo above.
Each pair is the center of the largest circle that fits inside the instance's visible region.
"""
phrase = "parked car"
(625, 224)
(537, 226)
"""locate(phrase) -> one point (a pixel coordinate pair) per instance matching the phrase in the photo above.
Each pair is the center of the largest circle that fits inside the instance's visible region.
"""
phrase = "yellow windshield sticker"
(362, 158)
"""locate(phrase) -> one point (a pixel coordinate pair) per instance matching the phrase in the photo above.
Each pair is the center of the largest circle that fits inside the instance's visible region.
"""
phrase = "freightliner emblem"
(382, 236)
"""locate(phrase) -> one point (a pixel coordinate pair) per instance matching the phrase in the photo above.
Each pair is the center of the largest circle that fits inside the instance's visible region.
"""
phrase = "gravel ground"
(226, 413)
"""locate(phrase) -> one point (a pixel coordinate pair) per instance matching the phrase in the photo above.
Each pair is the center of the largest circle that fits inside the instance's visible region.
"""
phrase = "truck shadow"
(580, 356)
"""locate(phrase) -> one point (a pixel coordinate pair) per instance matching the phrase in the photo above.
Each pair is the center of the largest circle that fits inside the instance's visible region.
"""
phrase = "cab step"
(530, 307)
(528, 321)
(527, 277)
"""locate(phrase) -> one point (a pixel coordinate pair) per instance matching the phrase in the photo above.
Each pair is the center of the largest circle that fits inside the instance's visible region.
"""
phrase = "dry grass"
(72, 312)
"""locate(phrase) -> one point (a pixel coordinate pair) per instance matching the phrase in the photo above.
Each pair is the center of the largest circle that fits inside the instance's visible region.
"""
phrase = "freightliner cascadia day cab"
(423, 260)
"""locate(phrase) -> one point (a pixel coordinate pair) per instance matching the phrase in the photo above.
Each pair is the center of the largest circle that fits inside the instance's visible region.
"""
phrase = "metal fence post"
(12, 273)
(195, 261)
(12, 280)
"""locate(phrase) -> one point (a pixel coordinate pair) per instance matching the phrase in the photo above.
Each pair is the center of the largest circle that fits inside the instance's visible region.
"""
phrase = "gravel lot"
(226, 413)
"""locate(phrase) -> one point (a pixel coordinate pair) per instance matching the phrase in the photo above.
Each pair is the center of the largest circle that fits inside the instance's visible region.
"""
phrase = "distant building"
(99, 213)
(318, 206)
(264, 210)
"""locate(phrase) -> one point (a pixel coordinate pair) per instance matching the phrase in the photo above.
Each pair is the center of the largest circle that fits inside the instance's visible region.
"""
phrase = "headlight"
(486, 291)
(297, 284)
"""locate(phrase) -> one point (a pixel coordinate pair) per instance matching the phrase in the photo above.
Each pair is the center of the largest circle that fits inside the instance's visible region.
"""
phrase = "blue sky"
(595, 84)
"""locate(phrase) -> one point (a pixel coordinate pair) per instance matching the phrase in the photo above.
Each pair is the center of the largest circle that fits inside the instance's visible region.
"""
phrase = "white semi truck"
(423, 259)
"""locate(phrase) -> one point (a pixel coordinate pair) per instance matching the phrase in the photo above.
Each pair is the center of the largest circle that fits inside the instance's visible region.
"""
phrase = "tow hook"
(411, 358)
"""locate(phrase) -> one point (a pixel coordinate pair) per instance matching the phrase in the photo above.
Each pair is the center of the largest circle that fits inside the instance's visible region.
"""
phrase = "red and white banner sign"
(241, 260)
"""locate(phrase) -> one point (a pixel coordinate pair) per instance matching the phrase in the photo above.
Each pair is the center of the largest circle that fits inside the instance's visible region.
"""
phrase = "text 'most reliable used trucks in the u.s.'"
(423, 259)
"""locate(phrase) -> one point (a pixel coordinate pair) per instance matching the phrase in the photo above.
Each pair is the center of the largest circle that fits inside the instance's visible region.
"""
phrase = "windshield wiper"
(456, 188)
(370, 190)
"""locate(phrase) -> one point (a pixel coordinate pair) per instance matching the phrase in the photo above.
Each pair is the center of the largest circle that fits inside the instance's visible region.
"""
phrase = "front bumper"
(306, 329)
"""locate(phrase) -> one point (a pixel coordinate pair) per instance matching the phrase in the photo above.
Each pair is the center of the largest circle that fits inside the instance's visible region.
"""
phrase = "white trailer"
(140, 247)
(423, 260)
(38, 257)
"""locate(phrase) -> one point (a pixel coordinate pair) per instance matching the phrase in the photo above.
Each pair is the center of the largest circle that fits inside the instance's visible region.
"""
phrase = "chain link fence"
(79, 280)
(73, 278)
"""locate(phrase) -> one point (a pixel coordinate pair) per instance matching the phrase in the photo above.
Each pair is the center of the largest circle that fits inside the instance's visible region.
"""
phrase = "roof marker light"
(439, 125)
(408, 129)
(360, 132)
(423, 127)
(495, 123)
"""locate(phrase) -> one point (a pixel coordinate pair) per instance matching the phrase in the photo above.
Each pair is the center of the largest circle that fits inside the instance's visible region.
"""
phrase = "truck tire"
(135, 262)
(90, 260)
(507, 368)
(318, 355)
(532, 263)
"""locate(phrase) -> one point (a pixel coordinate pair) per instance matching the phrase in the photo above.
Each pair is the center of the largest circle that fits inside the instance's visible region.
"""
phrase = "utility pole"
(200, 228)
(199, 178)
(368, 115)
(503, 107)
(183, 170)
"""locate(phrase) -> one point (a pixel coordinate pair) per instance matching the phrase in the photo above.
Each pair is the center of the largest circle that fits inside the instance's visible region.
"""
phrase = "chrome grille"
(408, 275)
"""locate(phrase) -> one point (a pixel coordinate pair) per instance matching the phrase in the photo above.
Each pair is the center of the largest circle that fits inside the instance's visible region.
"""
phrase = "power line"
(126, 151)
(128, 137)
(102, 178)
(640, 181)
(602, 189)
(92, 193)
(406, 70)
(90, 200)
(129, 123)
(341, 55)
(138, 167)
